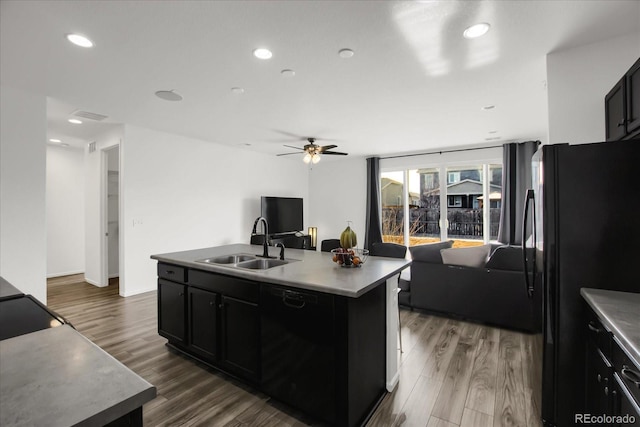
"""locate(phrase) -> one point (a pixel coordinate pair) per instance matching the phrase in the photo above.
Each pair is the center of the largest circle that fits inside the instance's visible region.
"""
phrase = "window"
(454, 201)
(392, 200)
(418, 208)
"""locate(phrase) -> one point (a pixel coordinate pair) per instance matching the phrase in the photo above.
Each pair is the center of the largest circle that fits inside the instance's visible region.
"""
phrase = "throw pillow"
(475, 256)
(506, 258)
(429, 252)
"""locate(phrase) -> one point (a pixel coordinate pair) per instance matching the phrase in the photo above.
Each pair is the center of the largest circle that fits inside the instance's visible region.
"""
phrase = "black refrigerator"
(583, 217)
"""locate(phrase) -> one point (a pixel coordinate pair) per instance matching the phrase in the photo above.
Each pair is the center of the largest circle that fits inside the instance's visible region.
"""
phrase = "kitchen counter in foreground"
(620, 313)
(307, 270)
(57, 377)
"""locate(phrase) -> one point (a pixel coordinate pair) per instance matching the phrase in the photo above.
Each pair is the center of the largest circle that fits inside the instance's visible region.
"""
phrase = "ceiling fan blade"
(327, 147)
(286, 154)
(337, 153)
(291, 146)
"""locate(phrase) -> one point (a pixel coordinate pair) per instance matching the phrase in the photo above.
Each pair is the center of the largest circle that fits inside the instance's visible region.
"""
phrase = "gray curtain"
(516, 179)
(373, 231)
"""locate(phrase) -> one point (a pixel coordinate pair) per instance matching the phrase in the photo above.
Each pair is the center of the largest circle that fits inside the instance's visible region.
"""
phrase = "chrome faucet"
(265, 250)
(281, 250)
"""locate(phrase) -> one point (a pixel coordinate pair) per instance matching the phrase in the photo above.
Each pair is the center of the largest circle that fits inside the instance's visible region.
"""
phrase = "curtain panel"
(373, 231)
(516, 179)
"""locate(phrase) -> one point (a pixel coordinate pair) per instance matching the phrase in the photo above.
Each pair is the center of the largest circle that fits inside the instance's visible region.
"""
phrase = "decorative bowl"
(349, 258)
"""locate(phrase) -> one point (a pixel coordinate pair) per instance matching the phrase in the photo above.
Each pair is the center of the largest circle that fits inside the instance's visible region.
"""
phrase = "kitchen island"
(316, 336)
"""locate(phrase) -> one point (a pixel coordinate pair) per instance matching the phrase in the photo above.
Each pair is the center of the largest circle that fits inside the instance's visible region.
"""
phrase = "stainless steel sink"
(227, 259)
(261, 263)
(249, 261)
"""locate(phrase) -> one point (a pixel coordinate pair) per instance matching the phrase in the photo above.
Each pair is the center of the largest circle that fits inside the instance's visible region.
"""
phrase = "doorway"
(111, 216)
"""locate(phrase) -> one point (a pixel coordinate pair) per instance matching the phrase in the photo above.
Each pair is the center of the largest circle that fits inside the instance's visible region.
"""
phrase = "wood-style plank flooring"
(452, 373)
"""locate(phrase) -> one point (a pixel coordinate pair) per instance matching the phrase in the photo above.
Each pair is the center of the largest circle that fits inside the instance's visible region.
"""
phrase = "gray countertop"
(620, 313)
(7, 290)
(57, 377)
(307, 270)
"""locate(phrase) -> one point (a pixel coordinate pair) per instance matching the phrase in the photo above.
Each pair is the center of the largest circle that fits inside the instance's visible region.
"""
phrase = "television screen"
(283, 214)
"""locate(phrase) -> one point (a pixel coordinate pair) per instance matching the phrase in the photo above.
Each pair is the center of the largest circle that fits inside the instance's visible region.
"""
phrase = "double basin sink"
(252, 262)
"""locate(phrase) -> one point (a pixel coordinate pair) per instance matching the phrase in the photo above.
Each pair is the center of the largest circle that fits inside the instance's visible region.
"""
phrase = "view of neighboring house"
(464, 200)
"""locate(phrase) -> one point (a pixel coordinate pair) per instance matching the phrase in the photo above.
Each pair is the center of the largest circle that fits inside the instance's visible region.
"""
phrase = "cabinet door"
(615, 112)
(240, 337)
(597, 382)
(171, 310)
(203, 322)
(633, 98)
(625, 405)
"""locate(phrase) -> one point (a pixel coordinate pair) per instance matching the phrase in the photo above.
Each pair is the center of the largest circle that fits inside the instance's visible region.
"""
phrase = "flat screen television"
(283, 214)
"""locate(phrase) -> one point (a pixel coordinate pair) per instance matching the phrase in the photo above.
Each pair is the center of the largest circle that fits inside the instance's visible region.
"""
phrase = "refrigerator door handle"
(529, 282)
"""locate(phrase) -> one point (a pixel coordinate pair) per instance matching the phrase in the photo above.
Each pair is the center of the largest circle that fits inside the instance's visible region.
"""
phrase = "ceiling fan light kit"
(313, 151)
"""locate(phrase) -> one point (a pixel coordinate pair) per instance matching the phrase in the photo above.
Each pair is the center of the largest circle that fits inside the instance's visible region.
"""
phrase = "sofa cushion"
(475, 256)
(506, 258)
(429, 252)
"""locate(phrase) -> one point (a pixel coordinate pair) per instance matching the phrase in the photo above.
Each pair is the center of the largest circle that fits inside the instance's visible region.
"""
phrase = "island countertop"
(620, 313)
(306, 270)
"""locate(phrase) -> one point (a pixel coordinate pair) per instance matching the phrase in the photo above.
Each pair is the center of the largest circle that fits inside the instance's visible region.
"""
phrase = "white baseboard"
(67, 273)
(139, 291)
(393, 382)
(91, 282)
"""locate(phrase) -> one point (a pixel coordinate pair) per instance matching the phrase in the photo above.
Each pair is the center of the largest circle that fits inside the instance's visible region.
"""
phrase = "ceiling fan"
(314, 151)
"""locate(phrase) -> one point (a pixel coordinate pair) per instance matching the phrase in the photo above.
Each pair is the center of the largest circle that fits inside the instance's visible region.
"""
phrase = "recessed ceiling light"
(75, 121)
(488, 107)
(64, 144)
(346, 53)
(493, 138)
(493, 131)
(54, 140)
(237, 90)
(79, 40)
(169, 95)
(288, 73)
(476, 30)
(262, 53)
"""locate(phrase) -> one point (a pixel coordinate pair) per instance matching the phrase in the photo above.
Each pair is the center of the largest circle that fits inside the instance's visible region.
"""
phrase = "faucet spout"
(265, 244)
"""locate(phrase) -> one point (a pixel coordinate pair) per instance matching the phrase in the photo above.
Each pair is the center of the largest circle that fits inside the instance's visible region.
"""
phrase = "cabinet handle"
(171, 272)
(221, 306)
(606, 391)
(599, 378)
(621, 123)
(180, 294)
(631, 375)
(593, 328)
(211, 303)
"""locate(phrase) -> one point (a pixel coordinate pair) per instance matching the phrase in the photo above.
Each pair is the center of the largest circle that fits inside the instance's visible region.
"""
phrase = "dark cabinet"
(240, 337)
(203, 322)
(612, 387)
(212, 317)
(622, 106)
(172, 310)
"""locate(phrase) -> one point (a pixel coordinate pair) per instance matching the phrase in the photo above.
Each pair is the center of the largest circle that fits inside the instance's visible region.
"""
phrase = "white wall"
(93, 210)
(23, 245)
(578, 80)
(338, 193)
(179, 193)
(65, 211)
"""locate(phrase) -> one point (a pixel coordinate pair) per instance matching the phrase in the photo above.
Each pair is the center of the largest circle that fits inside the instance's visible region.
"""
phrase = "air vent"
(92, 147)
(89, 115)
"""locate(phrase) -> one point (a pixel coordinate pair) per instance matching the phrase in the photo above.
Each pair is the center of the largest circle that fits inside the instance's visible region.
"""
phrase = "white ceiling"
(413, 84)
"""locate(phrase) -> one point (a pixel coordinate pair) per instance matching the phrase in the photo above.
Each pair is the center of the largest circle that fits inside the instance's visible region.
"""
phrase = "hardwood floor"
(452, 373)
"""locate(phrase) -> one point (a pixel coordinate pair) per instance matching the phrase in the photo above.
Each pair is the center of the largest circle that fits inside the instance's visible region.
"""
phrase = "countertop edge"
(258, 277)
(632, 349)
